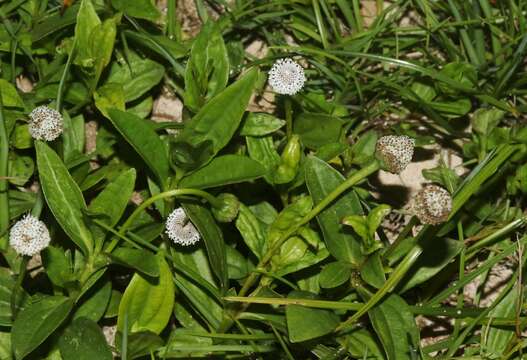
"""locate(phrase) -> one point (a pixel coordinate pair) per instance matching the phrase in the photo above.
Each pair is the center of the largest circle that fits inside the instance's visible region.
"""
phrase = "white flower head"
(45, 123)
(286, 77)
(29, 236)
(395, 152)
(179, 228)
(432, 205)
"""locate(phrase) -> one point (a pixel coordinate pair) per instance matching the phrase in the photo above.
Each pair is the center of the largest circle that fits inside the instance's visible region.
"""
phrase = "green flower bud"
(227, 212)
(291, 156)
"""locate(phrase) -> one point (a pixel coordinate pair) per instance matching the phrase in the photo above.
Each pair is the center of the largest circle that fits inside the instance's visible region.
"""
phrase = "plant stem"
(60, 91)
(4, 194)
(170, 193)
(288, 117)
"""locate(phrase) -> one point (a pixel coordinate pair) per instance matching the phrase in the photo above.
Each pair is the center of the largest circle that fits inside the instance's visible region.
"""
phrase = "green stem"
(171, 193)
(288, 117)
(18, 284)
(62, 82)
(339, 190)
(4, 194)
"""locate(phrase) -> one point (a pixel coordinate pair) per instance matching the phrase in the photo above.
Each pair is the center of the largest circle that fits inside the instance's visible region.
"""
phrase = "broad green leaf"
(57, 265)
(7, 284)
(139, 259)
(262, 150)
(202, 218)
(485, 120)
(10, 95)
(142, 9)
(112, 310)
(140, 344)
(316, 130)
(112, 200)
(321, 179)
(63, 196)
(21, 138)
(214, 125)
(102, 39)
(72, 137)
(252, 231)
(37, 321)
(144, 140)
(334, 274)
(224, 170)
(207, 70)
(305, 323)
(395, 325)
(237, 264)
(84, 340)
(109, 96)
(20, 169)
(372, 271)
(5, 346)
(148, 302)
(95, 302)
(87, 21)
(435, 257)
(498, 339)
(197, 295)
(260, 124)
(362, 345)
(137, 75)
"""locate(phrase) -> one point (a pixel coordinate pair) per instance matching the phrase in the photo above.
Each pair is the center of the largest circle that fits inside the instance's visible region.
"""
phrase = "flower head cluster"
(45, 123)
(179, 228)
(286, 77)
(29, 236)
(432, 205)
(395, 152)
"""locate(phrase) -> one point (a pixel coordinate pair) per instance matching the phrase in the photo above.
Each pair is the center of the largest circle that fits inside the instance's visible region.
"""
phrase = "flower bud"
(432, 205)
(291, 156)
(395, 152)
(230, 205)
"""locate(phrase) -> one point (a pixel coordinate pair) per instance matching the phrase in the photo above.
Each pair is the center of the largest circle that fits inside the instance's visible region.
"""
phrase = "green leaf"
(252, 231)
(372, 271)
(321, 179)
(144, 140)
(394, 323)
(498, 339)
(262, 150)
(57, 265)
(214, 125)
(137, 75)
(148, 302)
(485, 120)
(334, 274)
(362, 345)
(7, 285)
(260, 124)
(21, 138)
(207, 70)
(10, 95)
(138, 259)
(202, 218)
(63, 196)
(84, 340)
(72, 137)
(109, 96)
(94, 306)
(102, 39)
(87, 21)
(316, 130)
(224, 170)
(435, 257)
(237, 264)
(113, 199)
(37, 321)
(305, 323)
(20, 169)
(140, 344)
(375, 218)
(141, 9)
